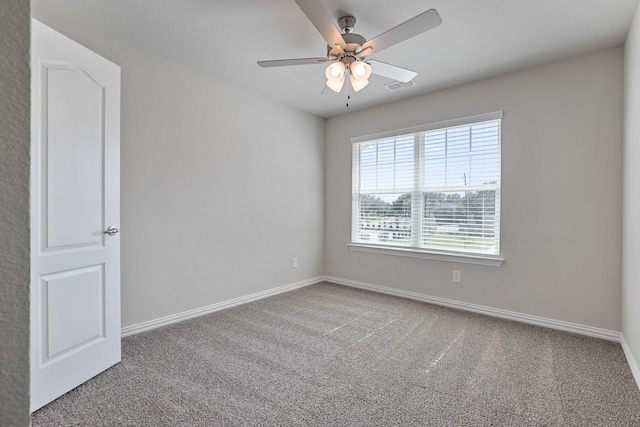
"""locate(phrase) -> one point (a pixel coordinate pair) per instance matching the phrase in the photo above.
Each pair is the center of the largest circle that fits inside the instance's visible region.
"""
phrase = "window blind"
(432, 188)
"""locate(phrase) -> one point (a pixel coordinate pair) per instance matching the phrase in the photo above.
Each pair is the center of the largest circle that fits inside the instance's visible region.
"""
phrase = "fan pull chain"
(348, 94)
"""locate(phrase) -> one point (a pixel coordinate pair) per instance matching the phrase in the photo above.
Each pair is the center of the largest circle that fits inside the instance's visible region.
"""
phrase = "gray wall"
(631, 223)
(221, 188)
(561, 198)
(14, 212)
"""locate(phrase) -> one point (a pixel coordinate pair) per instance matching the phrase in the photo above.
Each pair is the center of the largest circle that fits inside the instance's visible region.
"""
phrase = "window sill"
(494, 261)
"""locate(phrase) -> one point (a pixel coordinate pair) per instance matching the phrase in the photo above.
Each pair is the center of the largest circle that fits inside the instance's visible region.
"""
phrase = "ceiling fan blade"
(414, 26)
(287, 62)
(391, 71)
(319, 17)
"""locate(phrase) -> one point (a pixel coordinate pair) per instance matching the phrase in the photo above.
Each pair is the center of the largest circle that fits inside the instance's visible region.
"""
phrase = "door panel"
(75, 196)
(74, 156)
(67, 330)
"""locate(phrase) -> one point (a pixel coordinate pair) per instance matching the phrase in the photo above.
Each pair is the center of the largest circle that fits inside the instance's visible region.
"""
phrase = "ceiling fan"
(347, 52)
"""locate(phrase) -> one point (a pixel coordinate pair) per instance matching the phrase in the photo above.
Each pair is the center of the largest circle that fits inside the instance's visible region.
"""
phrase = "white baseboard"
(179, 317)
(635, 369)
(495, 312)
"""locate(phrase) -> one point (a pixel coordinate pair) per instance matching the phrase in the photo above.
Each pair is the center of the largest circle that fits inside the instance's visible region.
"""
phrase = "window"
(434, 188)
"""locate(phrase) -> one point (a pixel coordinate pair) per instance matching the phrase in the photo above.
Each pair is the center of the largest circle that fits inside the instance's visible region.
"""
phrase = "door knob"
(112, 230)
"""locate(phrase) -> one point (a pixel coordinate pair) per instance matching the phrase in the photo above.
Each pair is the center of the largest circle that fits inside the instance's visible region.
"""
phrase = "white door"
(75, 198)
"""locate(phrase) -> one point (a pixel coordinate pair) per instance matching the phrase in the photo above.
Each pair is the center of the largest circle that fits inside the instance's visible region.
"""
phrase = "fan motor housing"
(354, 44)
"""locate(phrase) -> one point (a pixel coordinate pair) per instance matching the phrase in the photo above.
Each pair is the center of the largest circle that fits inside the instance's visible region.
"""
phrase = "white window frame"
(414, 251)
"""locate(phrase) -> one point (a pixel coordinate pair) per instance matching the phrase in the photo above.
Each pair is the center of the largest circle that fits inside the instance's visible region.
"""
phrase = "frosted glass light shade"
(335, 71)
(358, 85)
(336, 86)
(360, 70)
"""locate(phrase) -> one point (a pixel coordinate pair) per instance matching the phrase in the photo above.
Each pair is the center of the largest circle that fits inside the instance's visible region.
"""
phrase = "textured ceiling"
(225, 38)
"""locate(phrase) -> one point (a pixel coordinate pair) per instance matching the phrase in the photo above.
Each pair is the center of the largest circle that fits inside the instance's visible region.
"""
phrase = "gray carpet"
(328, 355)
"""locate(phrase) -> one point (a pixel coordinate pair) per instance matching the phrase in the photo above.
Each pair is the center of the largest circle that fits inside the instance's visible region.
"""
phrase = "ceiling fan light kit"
(359, 72)
(347, 52)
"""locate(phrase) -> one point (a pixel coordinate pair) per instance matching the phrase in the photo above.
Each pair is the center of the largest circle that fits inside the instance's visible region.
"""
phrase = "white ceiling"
(225, 38)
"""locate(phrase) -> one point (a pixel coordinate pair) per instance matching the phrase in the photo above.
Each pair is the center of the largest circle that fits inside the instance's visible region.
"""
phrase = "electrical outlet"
(457, 277)
(294, 263)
